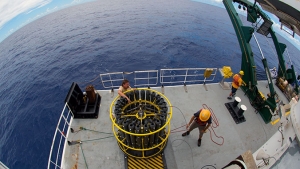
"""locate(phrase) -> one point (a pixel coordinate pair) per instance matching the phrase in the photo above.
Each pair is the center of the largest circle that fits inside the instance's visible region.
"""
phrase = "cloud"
(76, 1)
(10, 9)
(294, 40)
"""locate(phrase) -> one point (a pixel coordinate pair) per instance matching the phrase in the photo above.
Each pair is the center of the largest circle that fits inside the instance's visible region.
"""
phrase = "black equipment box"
(80, 105)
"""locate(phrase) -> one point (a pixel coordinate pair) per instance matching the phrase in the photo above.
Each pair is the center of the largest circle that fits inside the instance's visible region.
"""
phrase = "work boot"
(229, 97)
(185, 134)
(199, 142)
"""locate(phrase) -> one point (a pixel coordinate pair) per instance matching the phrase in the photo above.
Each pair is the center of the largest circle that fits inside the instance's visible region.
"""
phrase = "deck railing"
(113, 80)
(3, 166)
(146, 78)
(149, 78)
(186, 75)
(60, 139)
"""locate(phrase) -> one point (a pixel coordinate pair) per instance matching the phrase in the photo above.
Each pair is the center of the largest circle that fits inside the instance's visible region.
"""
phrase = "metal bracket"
(185, 88)
(224, 85)
(70, 143)
(112, 93)
(205, 86)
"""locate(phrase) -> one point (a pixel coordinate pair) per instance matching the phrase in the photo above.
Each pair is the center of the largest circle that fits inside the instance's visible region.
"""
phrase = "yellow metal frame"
(116, 128)
(156, 162)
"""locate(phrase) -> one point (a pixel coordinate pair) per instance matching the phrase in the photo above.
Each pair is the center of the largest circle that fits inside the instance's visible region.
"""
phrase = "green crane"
(265, 106)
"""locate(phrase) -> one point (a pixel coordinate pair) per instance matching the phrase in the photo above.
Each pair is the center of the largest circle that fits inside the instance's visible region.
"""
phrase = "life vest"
(236, 79)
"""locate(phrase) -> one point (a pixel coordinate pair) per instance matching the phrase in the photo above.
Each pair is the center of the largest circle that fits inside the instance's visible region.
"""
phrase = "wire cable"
(259, 165)
(209, 166)
(263, 128)
(181, 113)
(97, 139)
(83, 156)
(85, 83)
(281, 132)
(188, 145)
(173, 130)
(82, 128)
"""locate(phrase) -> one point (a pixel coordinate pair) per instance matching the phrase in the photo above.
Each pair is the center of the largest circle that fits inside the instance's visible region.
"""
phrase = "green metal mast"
(265, 106)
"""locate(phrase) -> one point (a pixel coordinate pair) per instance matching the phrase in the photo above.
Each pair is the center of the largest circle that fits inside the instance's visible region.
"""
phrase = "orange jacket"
(237, 81)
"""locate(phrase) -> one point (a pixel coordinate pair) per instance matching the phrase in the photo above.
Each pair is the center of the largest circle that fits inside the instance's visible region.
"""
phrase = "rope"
(97, 139)
(215, 124)
(172, 131)
(82, 128)
(85, 83)
(83, 156)
(80, 143)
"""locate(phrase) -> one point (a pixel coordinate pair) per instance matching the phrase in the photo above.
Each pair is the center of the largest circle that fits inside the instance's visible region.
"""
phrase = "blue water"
(39, 62)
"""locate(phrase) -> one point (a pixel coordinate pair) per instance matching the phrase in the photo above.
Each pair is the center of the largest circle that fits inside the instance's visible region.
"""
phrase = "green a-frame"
(265, 106)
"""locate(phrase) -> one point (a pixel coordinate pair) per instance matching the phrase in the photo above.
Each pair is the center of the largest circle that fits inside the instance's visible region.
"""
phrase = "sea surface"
(39, 62)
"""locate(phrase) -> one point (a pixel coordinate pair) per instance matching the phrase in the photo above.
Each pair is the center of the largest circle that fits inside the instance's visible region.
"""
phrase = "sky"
(15, 14)
(276, 24)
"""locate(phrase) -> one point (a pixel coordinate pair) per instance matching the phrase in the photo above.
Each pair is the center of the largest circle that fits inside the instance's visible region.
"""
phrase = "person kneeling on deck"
(202, 120)
(123, 88)
(237, 82)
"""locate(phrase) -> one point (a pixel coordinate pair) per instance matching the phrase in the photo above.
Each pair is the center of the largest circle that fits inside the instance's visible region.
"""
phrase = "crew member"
(200, 119)
(123, 88)
(236, 83)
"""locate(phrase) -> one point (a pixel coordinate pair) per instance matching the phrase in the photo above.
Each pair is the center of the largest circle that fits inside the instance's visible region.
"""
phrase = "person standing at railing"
(236, 83)
(202, 120)
(123, 88)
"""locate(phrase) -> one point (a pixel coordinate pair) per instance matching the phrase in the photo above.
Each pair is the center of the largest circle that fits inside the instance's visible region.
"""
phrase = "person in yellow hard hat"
(202, 120)
(236, 83)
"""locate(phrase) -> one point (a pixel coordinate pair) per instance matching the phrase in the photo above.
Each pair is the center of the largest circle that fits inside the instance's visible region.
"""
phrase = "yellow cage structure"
(141, 126)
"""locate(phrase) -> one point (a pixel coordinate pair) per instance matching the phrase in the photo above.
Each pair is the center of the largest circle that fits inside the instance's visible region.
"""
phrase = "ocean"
(39, 62)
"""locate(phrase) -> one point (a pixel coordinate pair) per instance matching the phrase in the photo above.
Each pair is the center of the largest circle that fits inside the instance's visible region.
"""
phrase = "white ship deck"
(238, 138)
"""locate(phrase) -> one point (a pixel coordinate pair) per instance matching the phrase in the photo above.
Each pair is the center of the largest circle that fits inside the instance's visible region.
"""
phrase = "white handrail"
(151, 76)
(108, 76)
(186, 74)
(3, 166)
(62, 135)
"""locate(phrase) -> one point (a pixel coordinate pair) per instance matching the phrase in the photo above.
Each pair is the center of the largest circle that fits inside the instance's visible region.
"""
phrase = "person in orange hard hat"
(237, 82)
(202, 120)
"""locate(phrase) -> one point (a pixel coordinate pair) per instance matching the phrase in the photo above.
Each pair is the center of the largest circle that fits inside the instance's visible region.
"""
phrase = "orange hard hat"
(204, 115)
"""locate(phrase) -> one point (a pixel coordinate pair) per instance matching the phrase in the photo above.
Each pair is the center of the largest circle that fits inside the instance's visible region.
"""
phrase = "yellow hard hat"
(241, 73)
(204, 115)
